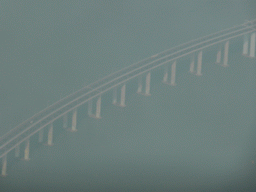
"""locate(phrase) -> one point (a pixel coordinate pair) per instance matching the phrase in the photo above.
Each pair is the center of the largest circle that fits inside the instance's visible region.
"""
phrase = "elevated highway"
(193, 49)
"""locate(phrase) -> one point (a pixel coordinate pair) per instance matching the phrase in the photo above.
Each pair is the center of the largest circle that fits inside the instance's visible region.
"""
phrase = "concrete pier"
(252, 45)
(139, 84)
(4, 165)
(122, 100)
(26, 152)
(114, 100)
(98, 108)
(173, 74)
(246, 45)
(50, 135)
(192, 64)
(65, 121)
(17, 151)
(41, 135)
(225, 59)
(74, 117)
(199, 63)
(90, 107)
(147, 88)
(218, 59)
(165, 79)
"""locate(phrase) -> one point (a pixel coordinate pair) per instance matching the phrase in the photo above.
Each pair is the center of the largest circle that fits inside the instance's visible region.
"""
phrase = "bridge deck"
(58, 109)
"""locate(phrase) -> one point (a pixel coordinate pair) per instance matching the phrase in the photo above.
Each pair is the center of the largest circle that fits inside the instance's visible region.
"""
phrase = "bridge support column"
(26, 153)
(41, 135)
(139, 84)
(218, 60)
(252, 45)
(225, 59)
(173, 74)
(192, 64)
(147, 88)
(245, 45)
(199, 63)
(122, 101)
(17, 151)
(65, 121)
(74, 115)
(165, 79)
(50, 135)
(90, 107)
(4, 165)
(114, 101)
(98, 108)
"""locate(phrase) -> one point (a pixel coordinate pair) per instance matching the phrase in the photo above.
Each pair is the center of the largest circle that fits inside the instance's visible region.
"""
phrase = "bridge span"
(92, 94)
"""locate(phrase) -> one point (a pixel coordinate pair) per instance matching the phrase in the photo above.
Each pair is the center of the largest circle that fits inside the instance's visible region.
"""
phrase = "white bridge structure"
(92, 93)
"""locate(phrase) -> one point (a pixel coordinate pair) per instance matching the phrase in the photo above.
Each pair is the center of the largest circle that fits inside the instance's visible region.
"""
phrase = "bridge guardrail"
(46, 116)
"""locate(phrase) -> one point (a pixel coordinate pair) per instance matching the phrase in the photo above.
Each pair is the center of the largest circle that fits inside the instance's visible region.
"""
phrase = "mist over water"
(198, 135)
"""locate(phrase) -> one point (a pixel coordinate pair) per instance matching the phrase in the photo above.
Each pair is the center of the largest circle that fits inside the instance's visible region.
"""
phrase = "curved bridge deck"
(31, 126)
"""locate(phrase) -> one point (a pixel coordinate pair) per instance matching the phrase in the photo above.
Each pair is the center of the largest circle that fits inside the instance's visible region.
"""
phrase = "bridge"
(91, 94)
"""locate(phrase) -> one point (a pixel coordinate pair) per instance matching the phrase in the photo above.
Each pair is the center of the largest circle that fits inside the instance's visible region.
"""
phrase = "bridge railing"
(56, 110)
(94, 84)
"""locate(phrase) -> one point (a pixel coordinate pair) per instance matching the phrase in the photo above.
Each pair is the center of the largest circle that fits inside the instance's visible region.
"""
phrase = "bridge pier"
(90, 107)
(17, 151)
(165, 79)
(41, 135)
(122, 97)
(218, 60)
(252, 45)
(26, 152)
(114, 100)
(98, 108)
(122, 100)
(173, 74)
(50, 135)
(245, 45)
(192, 64)
(199, 63)
(147, 88)
(139, 84)
(225, 59)
(4, 165)
(74, 117)
(65, 121)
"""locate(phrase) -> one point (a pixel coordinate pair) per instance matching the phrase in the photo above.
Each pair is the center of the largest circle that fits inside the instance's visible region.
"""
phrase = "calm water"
(49, 49)
(198, 135)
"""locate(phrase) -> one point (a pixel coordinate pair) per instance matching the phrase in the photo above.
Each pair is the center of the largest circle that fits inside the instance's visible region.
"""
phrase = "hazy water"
(49, 49)
(197, 135)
